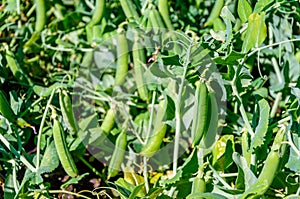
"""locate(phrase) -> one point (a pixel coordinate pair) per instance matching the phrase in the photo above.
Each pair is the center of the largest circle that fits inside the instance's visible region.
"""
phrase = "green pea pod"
(154, 142)
(108, 121)
(200, 113)
(139, 60)
(212, 121)
(62, 148)
(15, 68)
(122, 62)
(269, 169)
(199, 185)
(163, 9)
(65, 104)
(156, 21)
(160, 128)
(5, 108)
(129, 9)
(40, 21)
(215, 12)
(96, 19)
(118, 155)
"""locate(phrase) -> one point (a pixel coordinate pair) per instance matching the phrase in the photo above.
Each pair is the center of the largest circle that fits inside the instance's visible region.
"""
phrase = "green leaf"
(256, 32)
(222, 152)
(9, 191)
(294, 160)
(50, 159)
(262, 127)
(136, 191)
(124, 187)
(206, 195)
(261, 5)
(241, 162)
(244, 10)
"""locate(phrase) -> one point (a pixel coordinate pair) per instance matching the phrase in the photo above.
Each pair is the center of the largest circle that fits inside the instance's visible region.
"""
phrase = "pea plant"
(150, 99)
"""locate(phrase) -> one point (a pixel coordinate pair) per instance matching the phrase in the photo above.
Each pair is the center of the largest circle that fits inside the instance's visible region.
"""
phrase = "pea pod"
(62, 148)
(139, 60)
(160, 128)
(199, 185)
(118, 155)
(129, 9)
(156, 21)
(108, 121)
(67, 111)
(96, 18)
(269, 170)
(122, 62)
(200, 113)
(15, 68)
(163, 9)
(5, 108)
(212, 121)
(215, 12)
(40, 21)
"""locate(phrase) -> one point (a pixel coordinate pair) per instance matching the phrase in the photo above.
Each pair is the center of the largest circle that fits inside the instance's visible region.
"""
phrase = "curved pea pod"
(62, 148)
(5, 108)
(40, 21)
(154, 142)
(122, 62)
(269, 169)
(160, 128)
(163, 9)
(129, 9)
(200, 113)
(118, 155)
(139, 60)
(210, 135)
(108, 121)
(15, 68)
(215, 12)
(65, 104)
(156, 20)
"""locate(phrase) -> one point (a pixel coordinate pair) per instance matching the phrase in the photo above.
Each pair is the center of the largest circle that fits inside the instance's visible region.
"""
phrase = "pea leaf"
(241, 162)
(256, 32)
(294, 159)
(262, 127)
(50, 159)
(244, 10)
(261, 4)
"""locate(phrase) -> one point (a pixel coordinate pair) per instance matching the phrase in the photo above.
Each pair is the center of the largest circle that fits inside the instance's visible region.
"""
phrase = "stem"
(242, 109)
(145, 174)
(32, 105)
(86, 163)
(61, 191)
(271, 45)
(151, 117)
(178, 112)
(38, 148)
(275, 105)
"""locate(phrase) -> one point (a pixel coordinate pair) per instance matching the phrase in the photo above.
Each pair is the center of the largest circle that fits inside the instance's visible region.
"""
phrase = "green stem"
(178, 111)
(145, 174)
(151, 117)
(86, 163)
(271, 45)
(38, 148)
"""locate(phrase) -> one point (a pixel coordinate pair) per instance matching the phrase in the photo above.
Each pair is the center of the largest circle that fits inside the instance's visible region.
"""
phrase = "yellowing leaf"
(256, 32)
(244, 10)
